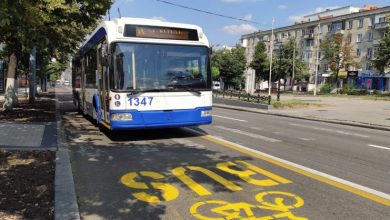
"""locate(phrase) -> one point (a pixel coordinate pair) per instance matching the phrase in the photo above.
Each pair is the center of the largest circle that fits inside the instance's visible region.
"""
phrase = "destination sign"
(160, 32)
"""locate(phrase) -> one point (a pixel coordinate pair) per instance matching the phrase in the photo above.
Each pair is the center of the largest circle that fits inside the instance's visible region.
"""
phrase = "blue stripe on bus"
(161, 119)
(99, 35)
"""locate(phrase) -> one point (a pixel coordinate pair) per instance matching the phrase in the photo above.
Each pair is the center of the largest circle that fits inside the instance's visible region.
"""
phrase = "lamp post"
(270, 63)
(280, 46)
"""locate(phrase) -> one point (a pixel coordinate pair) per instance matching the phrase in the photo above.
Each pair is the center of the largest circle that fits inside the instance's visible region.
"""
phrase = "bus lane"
(174, 174)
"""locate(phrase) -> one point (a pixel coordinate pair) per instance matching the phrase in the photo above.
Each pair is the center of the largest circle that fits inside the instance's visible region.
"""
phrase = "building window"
(319, 55)
(303, 32)
(370, 36)
(359, 38)
(349, 39)
(368, 66)
(382, 19)
(326, 67)
(372, 21)
(369, 52)
(360, 23)
(309, 55)
(358, 52)
(350, 25)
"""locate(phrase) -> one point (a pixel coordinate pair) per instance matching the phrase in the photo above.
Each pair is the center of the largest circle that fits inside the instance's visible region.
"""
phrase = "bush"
(326, 88)
(347, 89)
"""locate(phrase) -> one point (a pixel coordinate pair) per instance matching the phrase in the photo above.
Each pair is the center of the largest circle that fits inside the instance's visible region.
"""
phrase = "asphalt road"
(184, 174)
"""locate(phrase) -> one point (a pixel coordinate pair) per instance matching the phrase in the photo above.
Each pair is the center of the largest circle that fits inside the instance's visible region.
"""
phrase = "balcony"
(381, 26)
(309, 36)
(376, 42)
(337, 31)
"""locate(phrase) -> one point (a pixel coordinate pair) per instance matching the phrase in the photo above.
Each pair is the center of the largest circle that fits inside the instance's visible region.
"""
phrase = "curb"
(66, 206)
(369, 126)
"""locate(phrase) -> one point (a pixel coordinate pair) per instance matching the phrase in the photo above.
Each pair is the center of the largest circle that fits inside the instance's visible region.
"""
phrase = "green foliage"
(326, 88)
(214, 73)
(231, 64)
(283, 62)
(382, 53)
(260, 61)
(55, 27)
(347, 89)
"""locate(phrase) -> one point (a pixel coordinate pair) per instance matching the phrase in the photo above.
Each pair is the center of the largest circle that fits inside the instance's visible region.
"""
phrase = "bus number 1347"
(137, 101)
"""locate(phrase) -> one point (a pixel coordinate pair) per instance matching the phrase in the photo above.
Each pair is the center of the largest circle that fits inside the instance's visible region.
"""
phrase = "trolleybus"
(134, 73)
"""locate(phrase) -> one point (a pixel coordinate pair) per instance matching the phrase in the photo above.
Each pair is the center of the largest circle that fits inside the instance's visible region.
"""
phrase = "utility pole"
(293, 70)
(270, 63)
(317, 53)
(280, 70)
(32, 87)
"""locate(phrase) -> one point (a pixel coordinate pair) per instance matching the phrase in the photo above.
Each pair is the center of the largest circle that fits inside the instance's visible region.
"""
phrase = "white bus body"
(141, 73)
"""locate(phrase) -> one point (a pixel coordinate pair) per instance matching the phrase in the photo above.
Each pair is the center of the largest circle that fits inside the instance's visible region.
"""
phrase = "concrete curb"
(66, 206)
(370, 126)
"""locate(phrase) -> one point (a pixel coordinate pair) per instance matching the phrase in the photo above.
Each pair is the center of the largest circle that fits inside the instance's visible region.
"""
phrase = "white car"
(216, 85)
(66, 83)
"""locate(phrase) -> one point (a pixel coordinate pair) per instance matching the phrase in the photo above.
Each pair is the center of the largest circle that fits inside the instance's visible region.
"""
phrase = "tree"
(291, 62)
(260, 61)
(214, 73)
(231, 64)
(382, 53)
(55, 28)
(338, 54)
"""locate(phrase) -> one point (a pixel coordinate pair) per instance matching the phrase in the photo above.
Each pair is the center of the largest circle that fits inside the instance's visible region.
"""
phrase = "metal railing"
(243, 96)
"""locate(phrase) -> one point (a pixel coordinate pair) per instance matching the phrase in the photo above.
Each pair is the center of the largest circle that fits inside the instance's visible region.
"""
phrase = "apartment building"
(362, 27)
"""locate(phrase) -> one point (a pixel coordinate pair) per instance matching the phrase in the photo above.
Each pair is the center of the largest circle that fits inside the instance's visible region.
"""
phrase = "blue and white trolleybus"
(139, 73)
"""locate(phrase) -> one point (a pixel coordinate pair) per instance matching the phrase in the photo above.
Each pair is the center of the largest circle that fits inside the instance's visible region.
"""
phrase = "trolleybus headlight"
(205, 113)
(121, 117)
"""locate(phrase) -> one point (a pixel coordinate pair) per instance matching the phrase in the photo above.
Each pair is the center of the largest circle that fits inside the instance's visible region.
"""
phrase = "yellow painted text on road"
(243, 170)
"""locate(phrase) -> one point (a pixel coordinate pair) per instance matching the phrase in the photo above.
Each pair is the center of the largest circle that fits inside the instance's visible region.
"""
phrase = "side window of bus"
(91, 65)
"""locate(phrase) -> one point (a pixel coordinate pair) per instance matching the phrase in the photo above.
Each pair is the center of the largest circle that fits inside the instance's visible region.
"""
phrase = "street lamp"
(280, 47)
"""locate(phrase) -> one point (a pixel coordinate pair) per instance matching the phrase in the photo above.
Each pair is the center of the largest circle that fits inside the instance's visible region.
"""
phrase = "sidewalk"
(353, 111)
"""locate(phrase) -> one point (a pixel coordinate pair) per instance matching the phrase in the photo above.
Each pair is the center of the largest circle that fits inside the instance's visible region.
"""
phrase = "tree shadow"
(100, 158)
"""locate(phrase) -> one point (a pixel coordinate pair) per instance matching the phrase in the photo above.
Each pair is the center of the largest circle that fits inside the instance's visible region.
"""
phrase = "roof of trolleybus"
(115, 31)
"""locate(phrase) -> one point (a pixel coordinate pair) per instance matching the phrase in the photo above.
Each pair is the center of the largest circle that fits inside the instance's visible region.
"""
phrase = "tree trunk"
(10, 91)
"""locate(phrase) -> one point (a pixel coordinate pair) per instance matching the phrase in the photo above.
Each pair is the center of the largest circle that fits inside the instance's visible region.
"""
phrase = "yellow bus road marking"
(357, 189)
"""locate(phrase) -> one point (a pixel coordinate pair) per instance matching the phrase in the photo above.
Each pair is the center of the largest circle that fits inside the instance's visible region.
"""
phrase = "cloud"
(282, 7)
(238, 1)
(159, 18)
(299, 17)
(248, 17)
(239, 29)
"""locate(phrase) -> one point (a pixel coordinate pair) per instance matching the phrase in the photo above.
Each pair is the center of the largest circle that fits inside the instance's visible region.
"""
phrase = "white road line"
(307, 139)
(330, 130)
(307, 169)
(257, 136)
(234, 119)
(377, 146)
(257, 129)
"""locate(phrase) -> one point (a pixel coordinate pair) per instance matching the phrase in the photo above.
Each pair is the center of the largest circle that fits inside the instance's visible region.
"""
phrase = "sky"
(224, 31)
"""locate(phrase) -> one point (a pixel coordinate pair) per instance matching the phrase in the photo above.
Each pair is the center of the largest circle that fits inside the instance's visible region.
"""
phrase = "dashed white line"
(257, 136)
(307, 139)
(380, 147)
(234, 119)
(257, 129)
(330, 130)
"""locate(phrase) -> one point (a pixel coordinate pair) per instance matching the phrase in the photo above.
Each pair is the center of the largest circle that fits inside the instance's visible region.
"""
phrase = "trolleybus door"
(103, 83)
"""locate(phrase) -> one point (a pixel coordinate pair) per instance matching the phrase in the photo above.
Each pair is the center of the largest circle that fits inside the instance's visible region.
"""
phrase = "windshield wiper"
(134, 92)
(186, 88)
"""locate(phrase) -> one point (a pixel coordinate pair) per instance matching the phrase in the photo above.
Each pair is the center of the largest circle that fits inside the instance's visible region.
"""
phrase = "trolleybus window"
(160, 67)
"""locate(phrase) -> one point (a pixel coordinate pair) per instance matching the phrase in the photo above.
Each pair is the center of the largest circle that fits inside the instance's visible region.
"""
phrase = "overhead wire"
(208, 12)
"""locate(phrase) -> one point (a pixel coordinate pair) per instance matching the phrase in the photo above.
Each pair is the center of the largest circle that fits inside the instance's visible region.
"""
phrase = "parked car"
(66, 83)
(216, 85)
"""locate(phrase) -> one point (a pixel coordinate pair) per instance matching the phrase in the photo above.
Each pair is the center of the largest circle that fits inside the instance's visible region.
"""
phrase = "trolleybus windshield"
(160, 67)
